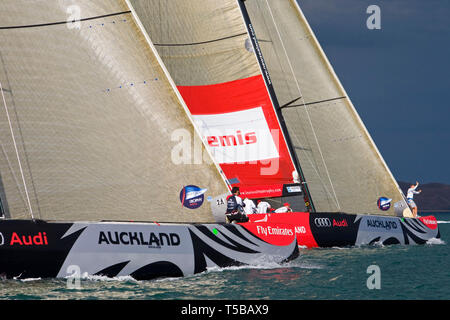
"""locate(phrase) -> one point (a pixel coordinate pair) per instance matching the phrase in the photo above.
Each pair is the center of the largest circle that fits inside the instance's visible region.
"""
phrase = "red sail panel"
(242, 132)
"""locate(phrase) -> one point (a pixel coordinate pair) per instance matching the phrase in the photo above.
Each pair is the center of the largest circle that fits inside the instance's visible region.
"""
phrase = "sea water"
(370, 272)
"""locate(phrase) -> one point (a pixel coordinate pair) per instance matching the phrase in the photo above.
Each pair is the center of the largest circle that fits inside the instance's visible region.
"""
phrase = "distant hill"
(434, 196)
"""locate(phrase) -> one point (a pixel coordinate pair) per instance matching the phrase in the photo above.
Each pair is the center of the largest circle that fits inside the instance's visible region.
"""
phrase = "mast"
(265, 73)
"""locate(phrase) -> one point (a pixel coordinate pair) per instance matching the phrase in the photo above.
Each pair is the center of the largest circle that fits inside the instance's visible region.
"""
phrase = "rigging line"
(320, 177)
(275, 51)
(17, 153)
(197, 43)
(307, 113)
(20, 134)
(288, 105)
(306, 153)
(63, 22)
(313, 166)
(12, 172)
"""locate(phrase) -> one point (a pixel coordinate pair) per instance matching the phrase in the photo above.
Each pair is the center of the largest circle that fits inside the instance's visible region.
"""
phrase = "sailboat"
(277, 120)
(92, 175)
(88, 180)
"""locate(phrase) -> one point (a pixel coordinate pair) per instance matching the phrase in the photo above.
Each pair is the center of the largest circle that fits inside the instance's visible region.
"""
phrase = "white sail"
(209, 35)
(341, 164)
(206, 48)
(202, 43)
(88, 116)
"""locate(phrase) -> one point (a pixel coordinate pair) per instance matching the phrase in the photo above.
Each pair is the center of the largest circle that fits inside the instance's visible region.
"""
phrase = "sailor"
(263, 206)
(285, 208)
(409, 197)
(235, 207)
(250, 207)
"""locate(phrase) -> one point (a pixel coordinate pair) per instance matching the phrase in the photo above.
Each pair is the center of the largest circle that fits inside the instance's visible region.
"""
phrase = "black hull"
(347, 230)
(39, 249)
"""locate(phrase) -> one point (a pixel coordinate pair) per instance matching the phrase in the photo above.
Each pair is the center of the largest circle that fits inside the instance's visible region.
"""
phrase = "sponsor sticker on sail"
(192, 197)
(384, 203)
(232, 140)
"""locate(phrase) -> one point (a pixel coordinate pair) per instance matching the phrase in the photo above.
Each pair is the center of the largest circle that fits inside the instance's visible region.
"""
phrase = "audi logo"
(322, 222)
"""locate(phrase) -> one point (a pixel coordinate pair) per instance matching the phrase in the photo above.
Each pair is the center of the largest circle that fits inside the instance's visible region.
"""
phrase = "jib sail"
(87, 119)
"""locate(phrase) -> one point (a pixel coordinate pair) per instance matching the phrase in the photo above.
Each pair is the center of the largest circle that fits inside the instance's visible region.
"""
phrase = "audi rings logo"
(2, 239)
(322, 222)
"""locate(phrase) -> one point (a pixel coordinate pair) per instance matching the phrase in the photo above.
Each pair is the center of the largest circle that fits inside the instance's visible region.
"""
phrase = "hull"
(39, 249)
(342, 230)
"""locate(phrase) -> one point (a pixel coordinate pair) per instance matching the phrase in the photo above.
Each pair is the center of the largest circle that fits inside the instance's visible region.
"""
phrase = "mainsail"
(87, 119)
(206, 48)
(205, 43)
(341, 164)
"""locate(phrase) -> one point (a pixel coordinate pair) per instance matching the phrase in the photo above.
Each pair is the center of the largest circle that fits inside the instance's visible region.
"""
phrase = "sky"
(398, 77)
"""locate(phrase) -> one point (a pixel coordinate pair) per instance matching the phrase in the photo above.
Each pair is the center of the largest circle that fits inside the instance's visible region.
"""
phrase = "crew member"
(249, 207)
(263, 206)
(285, 208)
(235, 207)
(409, 197)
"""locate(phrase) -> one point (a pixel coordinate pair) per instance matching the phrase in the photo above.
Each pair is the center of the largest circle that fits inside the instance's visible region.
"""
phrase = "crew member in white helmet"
(409, 197)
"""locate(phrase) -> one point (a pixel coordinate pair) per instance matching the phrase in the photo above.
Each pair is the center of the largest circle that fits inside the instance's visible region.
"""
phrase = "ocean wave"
(29, 279)
(265, 266)
(434, 241)
(89, 277)
(310, 266)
